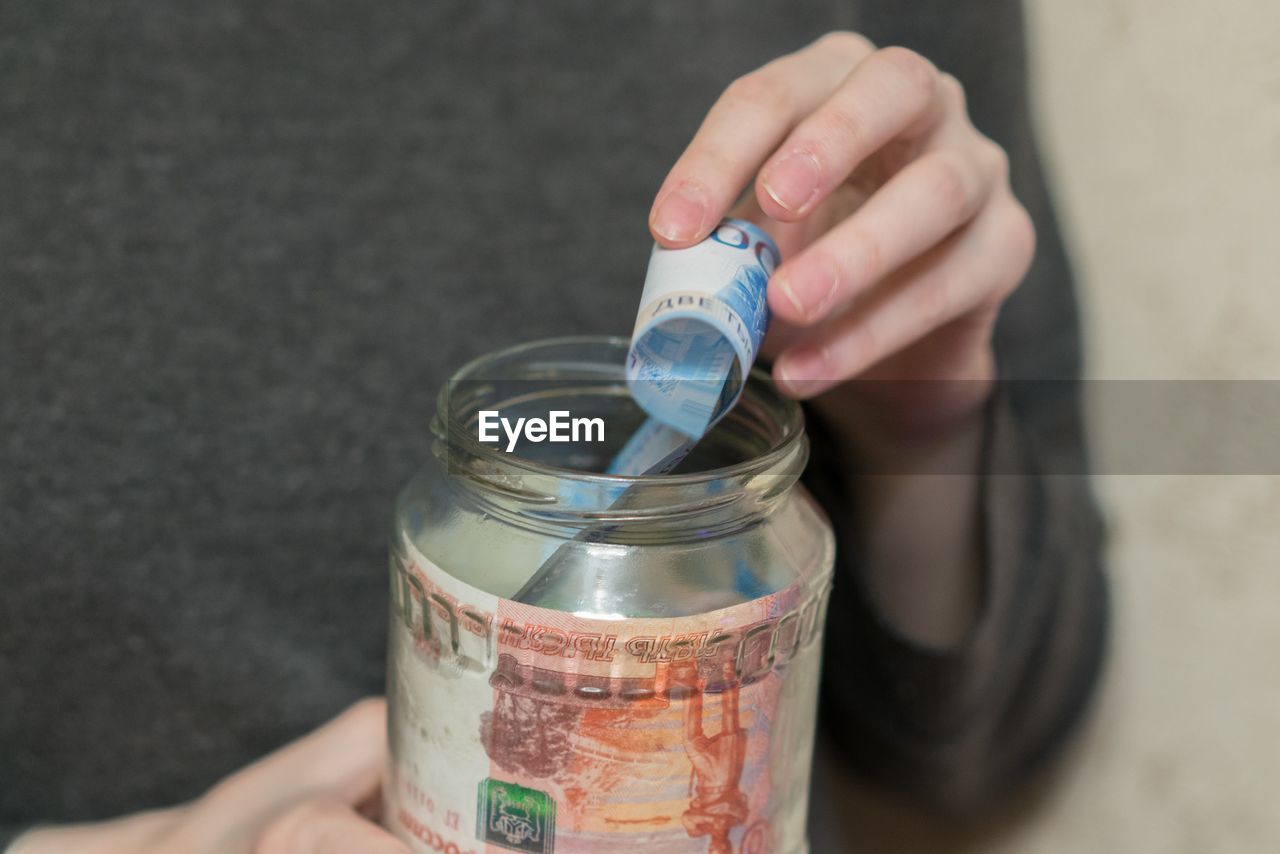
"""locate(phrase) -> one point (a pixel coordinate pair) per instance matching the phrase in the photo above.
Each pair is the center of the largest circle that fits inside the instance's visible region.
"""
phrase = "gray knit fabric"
(243, 243)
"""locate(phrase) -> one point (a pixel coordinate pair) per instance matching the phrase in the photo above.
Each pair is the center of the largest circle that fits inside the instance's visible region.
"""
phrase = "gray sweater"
(241, 245)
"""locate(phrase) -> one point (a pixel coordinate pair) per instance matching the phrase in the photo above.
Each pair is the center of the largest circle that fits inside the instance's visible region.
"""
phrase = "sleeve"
(956, 728)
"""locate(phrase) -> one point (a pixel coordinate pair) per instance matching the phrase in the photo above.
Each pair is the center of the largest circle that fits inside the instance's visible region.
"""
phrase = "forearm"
(956, 723)
(914, 482)
(918, 519)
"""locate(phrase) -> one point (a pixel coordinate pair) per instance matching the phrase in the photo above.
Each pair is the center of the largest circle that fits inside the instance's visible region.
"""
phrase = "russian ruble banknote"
(703, 314)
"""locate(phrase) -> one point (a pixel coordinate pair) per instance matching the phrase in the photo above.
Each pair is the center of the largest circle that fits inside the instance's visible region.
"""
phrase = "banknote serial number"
(559, 426)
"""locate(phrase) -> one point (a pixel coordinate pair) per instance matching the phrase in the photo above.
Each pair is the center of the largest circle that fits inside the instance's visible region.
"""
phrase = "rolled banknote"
(702, 317)
(703, 313)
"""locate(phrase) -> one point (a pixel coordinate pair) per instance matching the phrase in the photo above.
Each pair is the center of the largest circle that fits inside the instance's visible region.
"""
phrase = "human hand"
(899, 232)
(317, 795)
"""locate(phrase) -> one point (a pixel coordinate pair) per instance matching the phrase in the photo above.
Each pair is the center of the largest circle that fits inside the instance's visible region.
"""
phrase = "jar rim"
(790, 424)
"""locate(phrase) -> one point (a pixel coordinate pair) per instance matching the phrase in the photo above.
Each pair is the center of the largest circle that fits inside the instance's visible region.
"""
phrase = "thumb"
(341, 761)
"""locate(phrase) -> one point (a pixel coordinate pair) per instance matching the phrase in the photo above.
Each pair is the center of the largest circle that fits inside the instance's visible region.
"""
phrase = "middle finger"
(922, 204)
(894, 93)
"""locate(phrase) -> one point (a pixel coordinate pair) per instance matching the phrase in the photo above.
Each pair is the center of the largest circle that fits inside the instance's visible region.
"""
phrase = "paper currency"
(702, 317)
(703, 314)
(549, 732)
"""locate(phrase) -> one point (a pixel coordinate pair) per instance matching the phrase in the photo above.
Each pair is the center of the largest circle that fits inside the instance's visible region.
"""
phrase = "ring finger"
(977, 266)
(929, 199)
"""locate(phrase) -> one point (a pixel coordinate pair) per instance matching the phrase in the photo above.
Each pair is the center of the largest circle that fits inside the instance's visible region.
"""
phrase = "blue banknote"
(703, 315)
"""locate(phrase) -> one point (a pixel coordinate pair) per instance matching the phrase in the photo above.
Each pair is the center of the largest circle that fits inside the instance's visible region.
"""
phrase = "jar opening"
(754, 455)
(582, 378)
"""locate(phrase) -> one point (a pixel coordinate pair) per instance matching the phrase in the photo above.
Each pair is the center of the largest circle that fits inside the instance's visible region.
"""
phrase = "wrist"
(911, 426)
(911, 453)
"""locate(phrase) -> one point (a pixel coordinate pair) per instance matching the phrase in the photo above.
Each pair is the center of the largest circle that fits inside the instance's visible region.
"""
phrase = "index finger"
(743, 127)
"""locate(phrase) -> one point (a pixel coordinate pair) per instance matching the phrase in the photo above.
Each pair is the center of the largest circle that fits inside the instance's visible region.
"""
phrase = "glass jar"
(659, 692)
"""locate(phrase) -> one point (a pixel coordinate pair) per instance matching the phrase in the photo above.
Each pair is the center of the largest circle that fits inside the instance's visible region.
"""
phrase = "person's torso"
(242, 246)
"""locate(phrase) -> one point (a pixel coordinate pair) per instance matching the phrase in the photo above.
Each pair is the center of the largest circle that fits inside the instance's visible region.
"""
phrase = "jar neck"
(738, 474)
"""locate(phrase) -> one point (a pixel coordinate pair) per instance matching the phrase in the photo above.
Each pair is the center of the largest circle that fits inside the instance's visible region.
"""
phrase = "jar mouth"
(591, 364)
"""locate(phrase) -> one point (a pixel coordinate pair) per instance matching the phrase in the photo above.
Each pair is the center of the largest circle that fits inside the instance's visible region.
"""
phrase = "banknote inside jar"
(555, 504)
(754, 426)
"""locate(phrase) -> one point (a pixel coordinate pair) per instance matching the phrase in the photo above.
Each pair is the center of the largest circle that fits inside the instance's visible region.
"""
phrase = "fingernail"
(793, 181)
(810, 287)
(803, 371)
(679, 215)
(783, 283)
(783, 377)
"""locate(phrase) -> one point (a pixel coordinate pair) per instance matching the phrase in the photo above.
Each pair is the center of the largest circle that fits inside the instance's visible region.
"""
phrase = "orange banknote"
(518, 728)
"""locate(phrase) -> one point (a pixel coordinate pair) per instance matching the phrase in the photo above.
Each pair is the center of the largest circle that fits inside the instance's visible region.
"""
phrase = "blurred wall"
(1161, 123)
